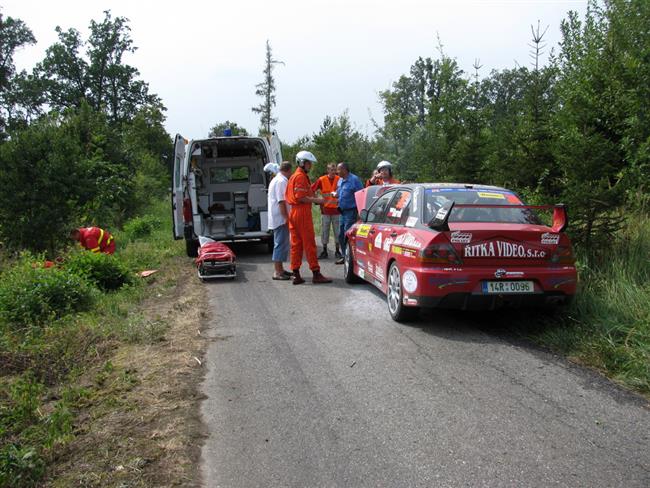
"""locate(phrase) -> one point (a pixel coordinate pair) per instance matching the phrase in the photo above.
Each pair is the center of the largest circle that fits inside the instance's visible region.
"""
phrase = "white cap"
(272, 168)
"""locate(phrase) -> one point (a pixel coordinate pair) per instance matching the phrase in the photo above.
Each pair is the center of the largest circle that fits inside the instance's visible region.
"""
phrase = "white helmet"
(272, 168)
(384, 164)
(303, 156)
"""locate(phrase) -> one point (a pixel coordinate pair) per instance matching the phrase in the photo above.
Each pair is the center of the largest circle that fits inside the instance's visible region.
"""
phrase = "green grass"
(608, 324)
(46, 344)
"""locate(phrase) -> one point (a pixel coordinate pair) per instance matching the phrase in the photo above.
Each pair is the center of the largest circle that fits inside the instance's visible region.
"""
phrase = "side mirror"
(439, 220)
(364, 215)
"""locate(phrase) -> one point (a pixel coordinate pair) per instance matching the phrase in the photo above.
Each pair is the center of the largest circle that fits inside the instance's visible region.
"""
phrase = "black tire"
(395, 297)
(348, 268)
(192, 248)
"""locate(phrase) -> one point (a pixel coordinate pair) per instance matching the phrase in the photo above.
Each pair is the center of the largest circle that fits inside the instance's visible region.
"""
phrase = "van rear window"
(437, 197)
(226, 175)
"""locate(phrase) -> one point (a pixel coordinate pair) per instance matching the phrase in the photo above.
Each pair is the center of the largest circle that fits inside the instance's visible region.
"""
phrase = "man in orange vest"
(301, 226)
(94, 239)
(329, 210)
(383, 175)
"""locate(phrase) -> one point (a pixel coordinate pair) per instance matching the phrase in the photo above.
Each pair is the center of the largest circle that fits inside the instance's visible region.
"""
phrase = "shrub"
(140, 227)
(20, 466)
(32, 295)
(102, 270)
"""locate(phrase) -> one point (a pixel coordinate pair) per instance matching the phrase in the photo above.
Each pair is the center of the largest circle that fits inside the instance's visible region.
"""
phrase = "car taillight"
(187, 211)
(563, 255)
(439, 254)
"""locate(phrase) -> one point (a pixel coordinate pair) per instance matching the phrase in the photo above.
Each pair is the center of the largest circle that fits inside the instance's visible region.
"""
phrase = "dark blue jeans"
(348, 217)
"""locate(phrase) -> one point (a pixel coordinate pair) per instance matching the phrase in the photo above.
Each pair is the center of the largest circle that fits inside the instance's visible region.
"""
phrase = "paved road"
(302, 394)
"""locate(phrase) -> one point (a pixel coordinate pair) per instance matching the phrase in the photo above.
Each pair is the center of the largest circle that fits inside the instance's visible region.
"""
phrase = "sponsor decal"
(378, 241)
(393, 212)
(558, 282)
(442, 213)
(408, 240)
(396, 250)
(408, 253)
(441, 283)
(410, 301)
(501, 249)
(514, 274)
(411, 221)
(362, 274)
(363, 230)
(486, 194)
(370, 268)
(500, 273)
(459, 237)
(409, 281)
(379, 273)
(361, 264)
(548, 238)
(387, 242)
(377, 283)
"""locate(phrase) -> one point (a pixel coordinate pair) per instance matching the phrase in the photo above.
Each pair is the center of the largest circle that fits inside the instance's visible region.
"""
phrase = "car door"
(396, 215)
(371, 233)
(178, 186)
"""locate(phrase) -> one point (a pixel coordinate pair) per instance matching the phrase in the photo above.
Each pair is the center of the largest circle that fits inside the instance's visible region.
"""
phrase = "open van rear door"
(276, 148)
(178, 185)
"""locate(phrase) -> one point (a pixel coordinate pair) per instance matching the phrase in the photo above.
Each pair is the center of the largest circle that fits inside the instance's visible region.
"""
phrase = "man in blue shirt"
(347, 186)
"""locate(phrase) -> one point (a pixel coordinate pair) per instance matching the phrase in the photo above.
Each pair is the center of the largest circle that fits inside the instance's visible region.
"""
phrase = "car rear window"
(437, 197)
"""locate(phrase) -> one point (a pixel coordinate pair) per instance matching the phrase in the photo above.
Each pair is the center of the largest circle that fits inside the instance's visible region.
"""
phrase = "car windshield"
(437, 197)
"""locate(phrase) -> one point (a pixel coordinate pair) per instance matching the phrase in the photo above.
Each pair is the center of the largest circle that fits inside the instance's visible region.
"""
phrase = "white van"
(220, 188)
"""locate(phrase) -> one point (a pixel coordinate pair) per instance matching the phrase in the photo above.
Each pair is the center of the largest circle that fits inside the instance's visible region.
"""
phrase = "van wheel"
(395, 297)
(348, 268)
(192, 248)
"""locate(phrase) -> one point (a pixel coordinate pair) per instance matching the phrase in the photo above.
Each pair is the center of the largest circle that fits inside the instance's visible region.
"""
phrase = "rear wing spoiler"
(560, 216)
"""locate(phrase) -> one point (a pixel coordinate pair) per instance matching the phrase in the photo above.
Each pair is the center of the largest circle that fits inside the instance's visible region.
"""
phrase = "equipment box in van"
(220, 188)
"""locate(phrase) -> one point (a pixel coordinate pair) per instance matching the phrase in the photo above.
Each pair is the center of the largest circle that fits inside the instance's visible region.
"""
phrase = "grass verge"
(607, 327)
(103, 393)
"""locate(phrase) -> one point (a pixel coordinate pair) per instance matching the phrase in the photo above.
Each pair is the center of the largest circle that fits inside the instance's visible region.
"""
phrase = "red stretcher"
(215, 260)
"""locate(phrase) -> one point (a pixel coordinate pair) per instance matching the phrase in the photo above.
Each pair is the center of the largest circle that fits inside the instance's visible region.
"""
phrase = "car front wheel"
(395, 297)
(348, 268)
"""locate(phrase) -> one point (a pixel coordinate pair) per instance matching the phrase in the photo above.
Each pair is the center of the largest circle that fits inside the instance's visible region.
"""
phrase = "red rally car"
(458, 246)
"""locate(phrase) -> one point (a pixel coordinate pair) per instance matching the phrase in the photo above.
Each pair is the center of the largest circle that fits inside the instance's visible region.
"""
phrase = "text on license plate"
(508, 287)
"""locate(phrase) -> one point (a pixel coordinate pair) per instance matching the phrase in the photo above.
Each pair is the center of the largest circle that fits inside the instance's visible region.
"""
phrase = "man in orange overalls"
(94, 239)
(301, 227)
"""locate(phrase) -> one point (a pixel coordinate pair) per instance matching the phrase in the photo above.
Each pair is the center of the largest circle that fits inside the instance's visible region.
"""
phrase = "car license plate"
(492, 287)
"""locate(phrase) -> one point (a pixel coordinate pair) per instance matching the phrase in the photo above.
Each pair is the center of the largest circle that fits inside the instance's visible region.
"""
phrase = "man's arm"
(283, 209)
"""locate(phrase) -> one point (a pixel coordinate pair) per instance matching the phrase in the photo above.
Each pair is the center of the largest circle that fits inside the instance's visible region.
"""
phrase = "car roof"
(469, 186)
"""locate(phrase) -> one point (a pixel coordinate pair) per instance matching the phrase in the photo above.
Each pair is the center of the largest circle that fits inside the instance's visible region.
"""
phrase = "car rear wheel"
(348, 268)
(395, 297)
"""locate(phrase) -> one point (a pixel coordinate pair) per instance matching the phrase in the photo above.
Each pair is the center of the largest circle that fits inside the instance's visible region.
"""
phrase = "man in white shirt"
(278, 214)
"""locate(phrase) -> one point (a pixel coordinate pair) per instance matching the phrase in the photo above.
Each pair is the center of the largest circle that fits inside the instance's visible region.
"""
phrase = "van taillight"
(439, 254)
(187, 211)
(563, 255)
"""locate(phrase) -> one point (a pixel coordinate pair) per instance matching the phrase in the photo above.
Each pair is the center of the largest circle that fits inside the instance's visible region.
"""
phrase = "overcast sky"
(203, 58)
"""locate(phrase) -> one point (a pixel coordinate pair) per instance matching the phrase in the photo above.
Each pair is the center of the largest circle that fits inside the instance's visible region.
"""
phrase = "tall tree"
(102, 77)
(266, 90)
(13, 35)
